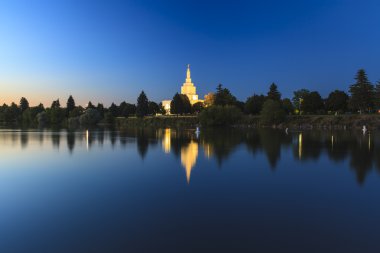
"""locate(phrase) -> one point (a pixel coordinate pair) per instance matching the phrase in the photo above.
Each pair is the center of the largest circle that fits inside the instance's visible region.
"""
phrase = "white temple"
(188, 88)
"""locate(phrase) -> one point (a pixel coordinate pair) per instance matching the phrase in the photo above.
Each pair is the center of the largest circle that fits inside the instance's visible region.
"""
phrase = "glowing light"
(189, 155)
(300, 145)
(166, 144)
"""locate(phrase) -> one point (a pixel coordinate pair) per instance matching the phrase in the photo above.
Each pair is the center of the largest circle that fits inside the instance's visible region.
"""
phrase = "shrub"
(272, 112)
(220, 115)
(90, 117)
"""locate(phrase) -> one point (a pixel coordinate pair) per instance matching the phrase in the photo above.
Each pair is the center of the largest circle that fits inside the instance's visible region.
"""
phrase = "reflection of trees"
(24, 138)
(307, 145)
(269, 141)
(70, 140)
(142, 143)
(55, 138)
(222, 141)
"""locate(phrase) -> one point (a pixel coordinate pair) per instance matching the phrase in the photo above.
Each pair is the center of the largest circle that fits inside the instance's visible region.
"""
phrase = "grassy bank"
(158, 121)
(372, 121)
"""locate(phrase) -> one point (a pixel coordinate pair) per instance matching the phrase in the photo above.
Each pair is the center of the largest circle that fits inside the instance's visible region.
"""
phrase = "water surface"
(172, 190)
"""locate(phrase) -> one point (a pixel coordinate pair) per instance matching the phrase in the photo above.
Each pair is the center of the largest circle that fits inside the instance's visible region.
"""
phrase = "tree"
(272, 112)
(24, 104)
(153, 108)
(55, 104)
(288, 106)
(254, 104)
(113, 110)
(180, 104)
(377, 95)
(90, 106)
(223, 96)
(362, 93)
(197, 107)
(337, 101)
(312, 103)
(90, 118)
(70, 105)
(142, 108)
(273, 93)
(218, 115)
(298, 97)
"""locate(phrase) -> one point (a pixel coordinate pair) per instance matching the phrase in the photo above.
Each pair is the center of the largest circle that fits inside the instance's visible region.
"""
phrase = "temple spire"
(188, 73)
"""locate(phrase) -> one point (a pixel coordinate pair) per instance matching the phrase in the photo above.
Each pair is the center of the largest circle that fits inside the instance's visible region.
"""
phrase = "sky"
(108, 51)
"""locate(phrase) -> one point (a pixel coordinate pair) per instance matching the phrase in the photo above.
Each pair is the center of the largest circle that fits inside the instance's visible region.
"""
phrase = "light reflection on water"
(97, 191)
(308, 145)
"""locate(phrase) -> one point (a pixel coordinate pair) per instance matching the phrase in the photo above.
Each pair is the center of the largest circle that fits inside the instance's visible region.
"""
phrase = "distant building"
(188, 88)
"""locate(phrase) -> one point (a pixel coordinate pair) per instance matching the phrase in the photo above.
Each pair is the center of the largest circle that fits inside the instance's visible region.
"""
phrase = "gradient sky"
(107, 51)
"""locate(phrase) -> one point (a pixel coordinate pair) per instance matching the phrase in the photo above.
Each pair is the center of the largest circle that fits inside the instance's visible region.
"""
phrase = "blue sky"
(107, 51)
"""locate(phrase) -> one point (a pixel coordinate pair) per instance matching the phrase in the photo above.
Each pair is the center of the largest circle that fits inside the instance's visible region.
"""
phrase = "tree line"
(220, 107)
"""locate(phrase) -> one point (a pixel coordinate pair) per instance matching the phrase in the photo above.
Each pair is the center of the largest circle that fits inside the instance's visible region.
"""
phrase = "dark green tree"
(24, 104)
(337, 101)
(273, 93)
(55, 104)
(272, 112)
(180, 104)
(142, 108)
(153, 108)
(197, 107)
(298, 97)
(377, 96)
(362, 93)
(312, 103)
(224, 97)
(218, 115)
(90, 106)
(288, 106)
(254, 104)
(70, 105)
(100, 109)
(113, 109)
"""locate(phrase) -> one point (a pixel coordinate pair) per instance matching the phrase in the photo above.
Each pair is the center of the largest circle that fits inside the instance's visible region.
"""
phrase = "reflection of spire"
(189, 156)
(300, 145)
(166, 144)
(332, 142)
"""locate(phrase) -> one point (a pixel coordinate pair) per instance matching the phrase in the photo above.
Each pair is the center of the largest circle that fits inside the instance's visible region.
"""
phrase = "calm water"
(172, 191)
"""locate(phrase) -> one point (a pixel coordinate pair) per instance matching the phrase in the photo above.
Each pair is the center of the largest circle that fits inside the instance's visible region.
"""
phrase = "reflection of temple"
(189, 152)
(189, 156)
(166, 141)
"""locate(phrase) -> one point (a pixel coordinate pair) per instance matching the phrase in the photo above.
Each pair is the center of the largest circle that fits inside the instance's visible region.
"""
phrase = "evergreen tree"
(377, 96)
(70, 105)
(273, 93)
(24, 104)
(223, 96)
(113, 110)
(362, 93)
(90, 106)
(142, 108)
